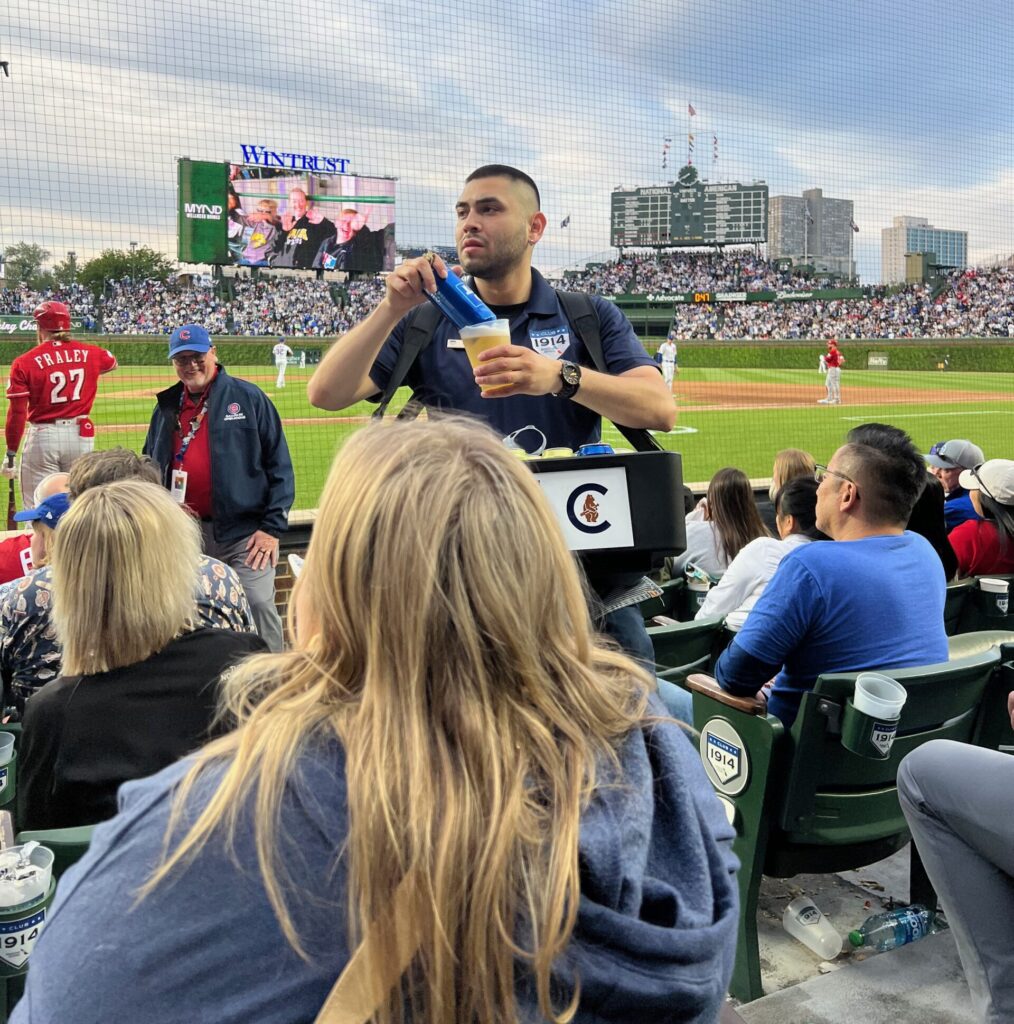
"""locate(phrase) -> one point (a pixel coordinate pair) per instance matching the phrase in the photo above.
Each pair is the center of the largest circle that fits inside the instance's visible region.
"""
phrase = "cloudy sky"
(903, 107)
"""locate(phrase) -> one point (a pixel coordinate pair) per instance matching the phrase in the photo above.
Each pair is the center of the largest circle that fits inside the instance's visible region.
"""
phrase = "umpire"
(219, 444)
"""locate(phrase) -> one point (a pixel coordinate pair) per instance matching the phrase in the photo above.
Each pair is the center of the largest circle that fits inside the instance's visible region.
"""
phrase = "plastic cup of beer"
(479, 338)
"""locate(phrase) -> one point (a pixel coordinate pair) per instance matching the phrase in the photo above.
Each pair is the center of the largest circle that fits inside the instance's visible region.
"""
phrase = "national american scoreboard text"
(689, 212)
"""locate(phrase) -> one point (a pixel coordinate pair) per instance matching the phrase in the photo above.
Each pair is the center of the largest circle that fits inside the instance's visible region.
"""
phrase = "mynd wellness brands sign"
(202, 235)
(26, 325)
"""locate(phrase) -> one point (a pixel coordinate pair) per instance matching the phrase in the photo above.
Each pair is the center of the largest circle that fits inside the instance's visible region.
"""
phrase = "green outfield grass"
(708, 438)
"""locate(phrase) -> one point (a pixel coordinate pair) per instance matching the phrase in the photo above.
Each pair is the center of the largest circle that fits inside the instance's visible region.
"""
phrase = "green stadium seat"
(667, 604)
(957, 596)
(978, 611)
(685, 647)
(802, 802)
(68, 845)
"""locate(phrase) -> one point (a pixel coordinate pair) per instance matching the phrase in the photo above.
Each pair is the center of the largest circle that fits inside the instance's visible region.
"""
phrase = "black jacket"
(252, 482)
(85, 735)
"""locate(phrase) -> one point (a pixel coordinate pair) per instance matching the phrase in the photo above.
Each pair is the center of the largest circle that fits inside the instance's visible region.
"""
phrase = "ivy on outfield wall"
(238, 352)
(986, 355)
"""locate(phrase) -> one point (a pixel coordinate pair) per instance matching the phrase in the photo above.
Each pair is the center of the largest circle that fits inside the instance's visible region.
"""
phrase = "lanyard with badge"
(178, 487)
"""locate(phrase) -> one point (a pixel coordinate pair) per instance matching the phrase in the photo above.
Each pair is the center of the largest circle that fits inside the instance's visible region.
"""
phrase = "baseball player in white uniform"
(667, 350)
(281, 352)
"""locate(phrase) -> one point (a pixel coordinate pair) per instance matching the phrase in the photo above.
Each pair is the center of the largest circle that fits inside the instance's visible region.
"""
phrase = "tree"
(142, 264)
(25, 261)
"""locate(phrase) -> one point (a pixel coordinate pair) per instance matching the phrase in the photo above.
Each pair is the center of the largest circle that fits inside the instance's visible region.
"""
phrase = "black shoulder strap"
(581, 312)
(419, 329)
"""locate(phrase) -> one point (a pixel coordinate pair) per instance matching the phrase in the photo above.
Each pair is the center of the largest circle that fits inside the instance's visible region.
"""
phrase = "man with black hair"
(874, 599)
(544, 377)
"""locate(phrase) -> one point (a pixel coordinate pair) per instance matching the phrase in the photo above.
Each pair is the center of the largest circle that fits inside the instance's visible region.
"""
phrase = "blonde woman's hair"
(789, 464)
(443, 636)
(125, 562)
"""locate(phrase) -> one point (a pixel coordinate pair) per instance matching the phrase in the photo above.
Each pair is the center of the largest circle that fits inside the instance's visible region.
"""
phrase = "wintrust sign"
(265, 157)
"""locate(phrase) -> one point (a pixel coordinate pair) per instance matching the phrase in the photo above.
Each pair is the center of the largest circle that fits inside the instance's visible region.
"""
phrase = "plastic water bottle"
(894, 928)
(803, 921)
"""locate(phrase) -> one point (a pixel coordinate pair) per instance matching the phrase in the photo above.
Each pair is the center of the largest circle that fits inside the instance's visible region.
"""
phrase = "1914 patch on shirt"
(552, 342)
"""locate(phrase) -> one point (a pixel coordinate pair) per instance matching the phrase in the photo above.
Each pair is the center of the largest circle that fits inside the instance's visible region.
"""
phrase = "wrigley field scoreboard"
(689, 212)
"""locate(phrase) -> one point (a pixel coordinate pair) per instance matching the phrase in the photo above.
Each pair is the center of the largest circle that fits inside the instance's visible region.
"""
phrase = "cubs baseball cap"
(995, 478)
(955, 455)
(189, 338)
(50, 511)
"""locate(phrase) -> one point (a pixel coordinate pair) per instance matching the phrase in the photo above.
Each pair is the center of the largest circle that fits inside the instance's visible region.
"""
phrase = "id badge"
(178, 488)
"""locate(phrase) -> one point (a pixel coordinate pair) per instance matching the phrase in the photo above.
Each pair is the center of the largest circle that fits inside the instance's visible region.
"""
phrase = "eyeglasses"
(193, 360)
(822, 471)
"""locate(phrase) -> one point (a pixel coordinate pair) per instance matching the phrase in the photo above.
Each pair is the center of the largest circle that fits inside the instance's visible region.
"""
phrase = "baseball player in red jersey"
(53, 386)
(833, 361)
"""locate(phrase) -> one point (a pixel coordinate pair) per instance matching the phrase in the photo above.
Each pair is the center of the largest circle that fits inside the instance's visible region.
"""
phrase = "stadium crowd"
(971, 304)
(676, 273)
(968, 303)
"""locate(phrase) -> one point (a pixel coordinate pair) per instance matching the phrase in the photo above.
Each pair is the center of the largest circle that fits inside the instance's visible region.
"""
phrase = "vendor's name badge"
(552, 342)
(178, 486)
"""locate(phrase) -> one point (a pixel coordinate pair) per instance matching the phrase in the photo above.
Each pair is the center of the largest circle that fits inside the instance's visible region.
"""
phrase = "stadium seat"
(68, 844)
(9, 771)
(957, 596)
(801, 802)
(977, 612)
(685, 647)
(668, 603)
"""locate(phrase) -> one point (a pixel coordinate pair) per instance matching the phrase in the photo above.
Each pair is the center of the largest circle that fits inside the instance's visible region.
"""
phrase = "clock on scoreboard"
(689, 212)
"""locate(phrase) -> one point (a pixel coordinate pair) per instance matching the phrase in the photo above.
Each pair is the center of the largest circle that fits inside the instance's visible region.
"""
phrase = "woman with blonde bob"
(136, 690)
(449, 764)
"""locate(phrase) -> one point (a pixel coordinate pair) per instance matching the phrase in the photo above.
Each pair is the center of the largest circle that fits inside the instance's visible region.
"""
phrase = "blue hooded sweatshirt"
(655, 937)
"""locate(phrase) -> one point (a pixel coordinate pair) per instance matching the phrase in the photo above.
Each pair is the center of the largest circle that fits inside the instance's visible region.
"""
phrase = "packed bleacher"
(968, 303)
(681, 272)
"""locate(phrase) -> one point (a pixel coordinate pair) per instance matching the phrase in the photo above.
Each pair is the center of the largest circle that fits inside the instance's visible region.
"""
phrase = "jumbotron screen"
(689, 212)
(251, 216)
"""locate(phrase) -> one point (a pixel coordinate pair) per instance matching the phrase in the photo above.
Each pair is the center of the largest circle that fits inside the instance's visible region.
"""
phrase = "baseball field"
(726, 417)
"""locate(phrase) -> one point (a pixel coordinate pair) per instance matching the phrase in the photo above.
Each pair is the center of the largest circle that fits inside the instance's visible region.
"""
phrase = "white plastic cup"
(879, 696)
(6, 747)
(480, 337)
(15, 894)
(804, 921)
(999, 588)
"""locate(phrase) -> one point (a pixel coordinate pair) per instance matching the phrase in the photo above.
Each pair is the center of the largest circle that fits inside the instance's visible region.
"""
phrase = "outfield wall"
(987, 354)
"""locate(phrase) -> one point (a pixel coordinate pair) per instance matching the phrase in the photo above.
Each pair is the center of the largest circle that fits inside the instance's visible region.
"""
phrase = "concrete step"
(920, 982)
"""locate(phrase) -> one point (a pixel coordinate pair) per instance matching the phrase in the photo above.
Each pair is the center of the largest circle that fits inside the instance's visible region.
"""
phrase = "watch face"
(571, 373)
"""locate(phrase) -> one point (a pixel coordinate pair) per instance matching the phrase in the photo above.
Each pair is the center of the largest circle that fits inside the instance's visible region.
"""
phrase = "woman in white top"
(748, 574)
(722, 524)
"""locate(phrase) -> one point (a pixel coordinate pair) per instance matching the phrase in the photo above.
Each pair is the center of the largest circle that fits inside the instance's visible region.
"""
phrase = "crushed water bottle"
(894, 928)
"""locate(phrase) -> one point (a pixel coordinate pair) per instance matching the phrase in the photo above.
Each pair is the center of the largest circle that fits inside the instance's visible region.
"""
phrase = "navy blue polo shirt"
(442, 377)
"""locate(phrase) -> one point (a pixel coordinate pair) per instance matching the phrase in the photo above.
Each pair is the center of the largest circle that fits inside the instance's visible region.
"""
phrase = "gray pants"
(959, 802)
(50, 448)
(259, 585)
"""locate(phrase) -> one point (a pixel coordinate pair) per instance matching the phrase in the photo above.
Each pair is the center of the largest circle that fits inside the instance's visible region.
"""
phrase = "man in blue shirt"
(543, 378)
(946, 461)
(872, 599)
(498, 226)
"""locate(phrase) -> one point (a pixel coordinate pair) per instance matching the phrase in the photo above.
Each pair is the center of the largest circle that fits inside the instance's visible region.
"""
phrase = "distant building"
(812, 229)
(916, 235)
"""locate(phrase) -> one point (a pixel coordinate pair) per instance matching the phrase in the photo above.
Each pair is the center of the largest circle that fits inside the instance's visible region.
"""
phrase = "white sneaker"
(823, 401)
